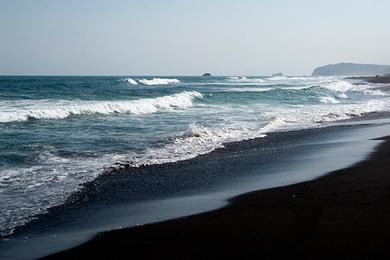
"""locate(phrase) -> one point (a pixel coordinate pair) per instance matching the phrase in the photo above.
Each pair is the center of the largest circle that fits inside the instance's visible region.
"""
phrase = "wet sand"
(343, 214)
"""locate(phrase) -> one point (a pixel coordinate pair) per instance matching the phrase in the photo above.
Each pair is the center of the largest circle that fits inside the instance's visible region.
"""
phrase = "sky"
(189, 37)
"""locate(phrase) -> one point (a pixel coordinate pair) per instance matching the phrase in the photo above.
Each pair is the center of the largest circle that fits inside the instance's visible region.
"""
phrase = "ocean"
(58, 133)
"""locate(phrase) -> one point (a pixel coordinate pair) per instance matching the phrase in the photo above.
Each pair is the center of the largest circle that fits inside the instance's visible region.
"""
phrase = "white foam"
(342, 95)
(158, 81)
(49, 109)
(307, 116)
(245, 89)
(329, 100)
(278, 78)
(340, 86)
(238, 78)
(245, 80)
(374, 92)
(43, 186)
(131, 81)
(344, 86)
(198, 140)
(303, 78)
(348, 111)
(151, 82)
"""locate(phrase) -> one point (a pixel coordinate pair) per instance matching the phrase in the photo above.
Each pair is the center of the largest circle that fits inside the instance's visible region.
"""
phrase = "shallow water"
(156, 193)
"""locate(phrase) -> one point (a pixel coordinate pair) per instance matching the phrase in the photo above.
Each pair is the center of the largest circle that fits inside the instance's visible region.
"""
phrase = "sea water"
(57, 133)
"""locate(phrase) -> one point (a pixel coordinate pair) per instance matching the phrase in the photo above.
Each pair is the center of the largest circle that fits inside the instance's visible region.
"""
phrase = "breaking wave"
(48, 109)
(329, 100)
(197, 140)
(245, 80)
(131, 81)
(345, 86)
(152, 82)
(348, 111)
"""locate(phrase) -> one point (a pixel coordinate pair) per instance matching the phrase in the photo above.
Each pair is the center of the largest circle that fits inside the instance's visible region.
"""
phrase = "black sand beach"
(113, 201)
(344, 214)
(194, 130)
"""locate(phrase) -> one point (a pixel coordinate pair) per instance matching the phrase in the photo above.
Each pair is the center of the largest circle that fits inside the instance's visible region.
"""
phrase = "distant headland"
(351, 69)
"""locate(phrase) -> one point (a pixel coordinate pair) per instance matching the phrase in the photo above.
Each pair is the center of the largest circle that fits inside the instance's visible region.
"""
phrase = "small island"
(207, 74)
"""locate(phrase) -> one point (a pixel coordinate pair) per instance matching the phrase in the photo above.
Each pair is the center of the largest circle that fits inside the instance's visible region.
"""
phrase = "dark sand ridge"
(343, 214)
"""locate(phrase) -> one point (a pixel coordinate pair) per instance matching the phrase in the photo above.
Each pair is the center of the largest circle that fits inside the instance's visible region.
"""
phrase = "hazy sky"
(171, 37)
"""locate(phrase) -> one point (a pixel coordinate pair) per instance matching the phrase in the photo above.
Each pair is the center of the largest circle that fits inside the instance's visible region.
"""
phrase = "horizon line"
(141, 75)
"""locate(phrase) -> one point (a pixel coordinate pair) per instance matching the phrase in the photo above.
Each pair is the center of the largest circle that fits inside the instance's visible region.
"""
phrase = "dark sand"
(345, 214)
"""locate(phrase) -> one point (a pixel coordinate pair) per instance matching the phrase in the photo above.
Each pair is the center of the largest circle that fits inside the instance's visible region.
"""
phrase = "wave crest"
(62, 109)
(131, 81)
(329, 100)
(197, 140)
(345, 86)
(152, 82)
(245, 80)
(348, 111)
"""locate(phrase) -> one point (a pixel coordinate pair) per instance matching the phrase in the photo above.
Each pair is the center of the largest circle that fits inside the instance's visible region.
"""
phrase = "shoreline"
(155, 193)
(254, 163)
(344, 213)
(102, 192)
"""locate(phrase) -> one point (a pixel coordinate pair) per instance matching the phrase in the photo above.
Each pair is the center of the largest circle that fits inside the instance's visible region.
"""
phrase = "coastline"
(108, 204)
(195, 130)
(191, 187)
(342, 214)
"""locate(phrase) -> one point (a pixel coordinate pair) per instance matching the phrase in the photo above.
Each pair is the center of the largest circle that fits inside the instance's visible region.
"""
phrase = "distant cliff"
(351, 69)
